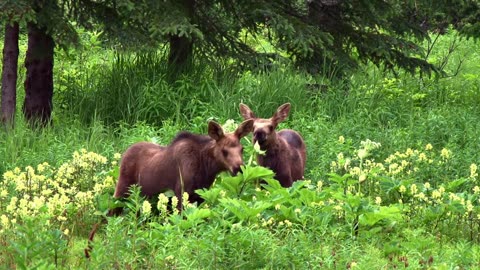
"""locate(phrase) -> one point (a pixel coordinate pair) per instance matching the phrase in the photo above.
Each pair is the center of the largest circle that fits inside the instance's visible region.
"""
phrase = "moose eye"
(270, 128)
(224, 152)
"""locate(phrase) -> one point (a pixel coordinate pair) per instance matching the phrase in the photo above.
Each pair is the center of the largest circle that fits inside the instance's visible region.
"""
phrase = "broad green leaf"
(383, 212)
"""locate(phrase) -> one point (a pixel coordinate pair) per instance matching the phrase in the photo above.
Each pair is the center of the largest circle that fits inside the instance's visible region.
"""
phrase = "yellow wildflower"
(473, 170)
(3, 193)
(362, 153)
(40, 168)
(162, 198)
(413, 189)
(402, 189)
(12, 206)
(333, 165)
(146, 208)
(469, 206)
(174, 204)
(355, 171)
(347, 163)
(9, 176)
(426, 185)
(341, 139)
(378, 200)
(428, 147)
(117, 156)
(162, 203)
(46, 192)
(319, 185)
(436, 194)
(476, 189)
(270, 221)
(393, 168)
(185, 200)
(445, 153)
(421, 196)
(4, 221)
(229, 125)
(453, 197)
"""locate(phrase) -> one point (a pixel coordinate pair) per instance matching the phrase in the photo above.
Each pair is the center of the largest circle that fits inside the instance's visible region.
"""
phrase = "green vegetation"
(391, 178)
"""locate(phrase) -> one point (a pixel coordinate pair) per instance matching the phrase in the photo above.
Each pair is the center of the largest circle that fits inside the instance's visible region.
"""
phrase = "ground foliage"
(391, 179)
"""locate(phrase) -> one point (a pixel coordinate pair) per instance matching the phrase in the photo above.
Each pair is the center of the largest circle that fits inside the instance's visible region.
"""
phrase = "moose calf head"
(285, 150)
(264, 129)
(228, 150)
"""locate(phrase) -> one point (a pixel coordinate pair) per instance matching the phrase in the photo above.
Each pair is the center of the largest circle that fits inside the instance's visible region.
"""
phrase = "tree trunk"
(9, 75)
(327, 15)
(37, 107)
(180, 57)
(181, 53)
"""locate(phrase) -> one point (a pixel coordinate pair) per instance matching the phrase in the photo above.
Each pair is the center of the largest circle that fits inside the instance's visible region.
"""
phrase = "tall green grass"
(135, 88)
(101, 96)
(106, 102)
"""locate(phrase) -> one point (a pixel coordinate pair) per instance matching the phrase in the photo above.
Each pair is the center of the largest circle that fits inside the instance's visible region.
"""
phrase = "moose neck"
(211, 166)
(273, 144)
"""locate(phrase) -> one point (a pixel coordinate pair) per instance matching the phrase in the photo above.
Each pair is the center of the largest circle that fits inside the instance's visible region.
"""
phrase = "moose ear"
(215, 131)
(281, 114)
(246, 112)
(244, 128)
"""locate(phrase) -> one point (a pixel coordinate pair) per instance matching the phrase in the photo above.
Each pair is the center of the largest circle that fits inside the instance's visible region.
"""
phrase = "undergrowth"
(391, 178)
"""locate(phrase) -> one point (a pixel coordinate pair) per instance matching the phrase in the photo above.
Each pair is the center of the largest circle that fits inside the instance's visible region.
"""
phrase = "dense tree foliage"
(316, 35)
(46, 25)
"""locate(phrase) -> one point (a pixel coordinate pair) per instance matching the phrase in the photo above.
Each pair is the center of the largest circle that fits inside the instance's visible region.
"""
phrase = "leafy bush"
(248, 220)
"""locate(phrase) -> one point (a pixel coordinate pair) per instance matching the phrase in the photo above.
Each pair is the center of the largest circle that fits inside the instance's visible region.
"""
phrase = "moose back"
(190, 162)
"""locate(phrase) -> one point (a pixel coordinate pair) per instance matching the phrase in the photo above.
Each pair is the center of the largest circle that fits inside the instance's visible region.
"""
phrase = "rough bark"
(327, 15)
(324, 13)
(181, 53)
(9, 74)
(180, 57)
(37, 107)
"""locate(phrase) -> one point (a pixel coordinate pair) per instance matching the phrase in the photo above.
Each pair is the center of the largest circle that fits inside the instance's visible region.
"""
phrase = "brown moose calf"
(189, 163)
(285, 150)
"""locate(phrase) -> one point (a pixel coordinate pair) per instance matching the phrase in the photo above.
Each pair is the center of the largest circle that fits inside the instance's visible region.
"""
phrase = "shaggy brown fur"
(189, 163)
(285, 150)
